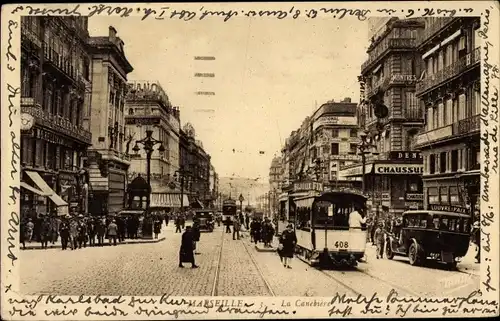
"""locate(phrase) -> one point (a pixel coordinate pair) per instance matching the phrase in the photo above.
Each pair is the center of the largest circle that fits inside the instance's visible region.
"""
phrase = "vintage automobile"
(436, 235)
(206, 219)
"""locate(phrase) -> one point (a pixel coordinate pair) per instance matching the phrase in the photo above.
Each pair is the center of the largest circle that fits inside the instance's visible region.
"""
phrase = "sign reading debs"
(394, 169)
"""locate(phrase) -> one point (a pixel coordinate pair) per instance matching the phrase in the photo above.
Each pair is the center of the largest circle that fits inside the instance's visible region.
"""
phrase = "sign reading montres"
(395, 169)
(448, 208)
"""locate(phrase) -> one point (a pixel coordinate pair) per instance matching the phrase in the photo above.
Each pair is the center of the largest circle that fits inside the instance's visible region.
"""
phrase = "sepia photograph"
(252, 152)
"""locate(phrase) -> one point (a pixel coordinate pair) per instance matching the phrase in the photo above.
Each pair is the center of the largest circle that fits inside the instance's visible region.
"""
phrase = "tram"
(322, 227)
(229, 208)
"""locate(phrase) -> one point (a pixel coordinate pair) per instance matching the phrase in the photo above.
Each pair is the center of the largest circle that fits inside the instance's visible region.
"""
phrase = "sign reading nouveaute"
(334, 120)
(394, 169)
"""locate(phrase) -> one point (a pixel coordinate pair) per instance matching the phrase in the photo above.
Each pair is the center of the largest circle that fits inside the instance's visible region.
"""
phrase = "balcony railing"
(414, 114)
(54, 122)
(433, 27)
(57, 60)
(468, 125)
(385, 45)
(459, 66)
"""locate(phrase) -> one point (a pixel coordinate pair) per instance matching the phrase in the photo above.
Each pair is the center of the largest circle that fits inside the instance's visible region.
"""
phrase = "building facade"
(55, 73)
(275, 180)
(334, 142)
(450, 93)
(108, 163)
(148, 107)
(393, 167)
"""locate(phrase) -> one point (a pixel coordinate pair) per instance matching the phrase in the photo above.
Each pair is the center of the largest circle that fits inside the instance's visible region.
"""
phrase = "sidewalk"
(161, 237)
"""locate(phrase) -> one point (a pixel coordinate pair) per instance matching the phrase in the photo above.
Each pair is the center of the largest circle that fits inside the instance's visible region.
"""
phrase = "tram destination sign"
(448, 208)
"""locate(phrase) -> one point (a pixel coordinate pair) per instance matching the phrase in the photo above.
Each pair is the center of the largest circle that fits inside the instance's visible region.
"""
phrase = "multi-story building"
(214, 186)
(275, 178)
(195, 161)
(107, 161)
(393, 169)
(450, 92)
(55, 73)
(334, 141)
(148, 107)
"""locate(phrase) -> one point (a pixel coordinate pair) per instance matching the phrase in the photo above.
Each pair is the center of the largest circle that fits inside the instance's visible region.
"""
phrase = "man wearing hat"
(113, 231)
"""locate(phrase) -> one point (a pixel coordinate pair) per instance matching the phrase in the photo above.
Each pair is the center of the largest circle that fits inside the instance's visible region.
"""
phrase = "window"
(442, 162)
(432, 164)
(475, 156)
(477, 102)
(433, 197)
(454, 198)
(353, 148)
(454, 160)
(335, 133)
(443, 195)
(429, 116)
(131, 111)
(435, 118)
(412, 105)
(442, 114)
(335, 148)
(354, 133)
(461, 107)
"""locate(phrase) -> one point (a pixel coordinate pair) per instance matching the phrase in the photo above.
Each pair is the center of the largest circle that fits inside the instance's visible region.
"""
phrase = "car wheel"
(413, 254)
(452, 266)
(388, 250)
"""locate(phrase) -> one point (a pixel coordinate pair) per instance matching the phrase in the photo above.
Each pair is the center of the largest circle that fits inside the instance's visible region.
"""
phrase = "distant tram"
(229, 208)
(321, 224)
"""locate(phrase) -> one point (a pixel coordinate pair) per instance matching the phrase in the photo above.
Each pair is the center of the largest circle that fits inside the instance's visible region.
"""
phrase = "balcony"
(66, 67)
(467, 126)
(470, 60)
(414, 114)
(434, 135)
(54, 122)
(384, 46)
(433, 28)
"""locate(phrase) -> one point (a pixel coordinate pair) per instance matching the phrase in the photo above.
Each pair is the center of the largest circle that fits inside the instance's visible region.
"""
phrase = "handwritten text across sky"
(268, 75)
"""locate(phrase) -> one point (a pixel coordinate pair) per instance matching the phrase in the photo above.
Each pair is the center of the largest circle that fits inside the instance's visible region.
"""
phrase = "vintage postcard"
(250, 160)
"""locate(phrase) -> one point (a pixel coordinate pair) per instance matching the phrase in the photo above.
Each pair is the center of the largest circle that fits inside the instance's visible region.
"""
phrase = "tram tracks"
(216, 282)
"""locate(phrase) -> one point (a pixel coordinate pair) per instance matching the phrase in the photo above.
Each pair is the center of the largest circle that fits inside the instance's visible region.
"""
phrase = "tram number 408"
(341, 245)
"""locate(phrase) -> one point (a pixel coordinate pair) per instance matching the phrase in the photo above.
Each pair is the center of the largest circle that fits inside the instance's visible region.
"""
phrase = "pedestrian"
(113, 232)
(228, 224)
(268, 233)
(167, 218)
(186, 252)
(82, 238)
(56, 226)
(45, 235)
(183, 220)
(379, 241)
(74, 233)
(196, 235)
(30, 227)
(247, 221)
(236, 229)
(64, 232)
(157, 228)
(100, 231)
(22, 233)
(257, 231)
(286, 247)
(178, 224)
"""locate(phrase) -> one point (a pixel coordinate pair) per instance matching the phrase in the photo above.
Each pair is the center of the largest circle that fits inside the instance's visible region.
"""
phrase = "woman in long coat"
(186, 252)
(286, 248)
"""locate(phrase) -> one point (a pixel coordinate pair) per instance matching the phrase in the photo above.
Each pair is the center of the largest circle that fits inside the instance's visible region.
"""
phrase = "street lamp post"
(241, 199)
(183, 175)
(148, 144)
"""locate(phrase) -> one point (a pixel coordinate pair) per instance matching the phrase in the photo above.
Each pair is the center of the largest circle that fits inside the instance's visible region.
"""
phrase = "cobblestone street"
(227, 268)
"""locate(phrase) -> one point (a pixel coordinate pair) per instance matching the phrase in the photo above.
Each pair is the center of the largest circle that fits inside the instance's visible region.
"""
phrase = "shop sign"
(142, 121)
(334, 120)
(413, 205)
(405, 155)
(414, 196)
(396, 169)
(448, 208)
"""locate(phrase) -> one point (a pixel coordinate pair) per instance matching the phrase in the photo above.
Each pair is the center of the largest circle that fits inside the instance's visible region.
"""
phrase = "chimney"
(112, 33)
(347, 100)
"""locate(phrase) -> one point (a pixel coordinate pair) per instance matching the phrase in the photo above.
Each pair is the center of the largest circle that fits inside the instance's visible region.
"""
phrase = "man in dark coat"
(196, 234)
(228, 224)
(178, 224)
(186, 253)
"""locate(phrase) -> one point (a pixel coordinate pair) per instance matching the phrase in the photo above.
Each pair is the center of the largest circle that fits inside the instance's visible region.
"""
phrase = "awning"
(34, 190)
(304, 202)
(185, 200)
(167, 200)
(356, 171)
(44, 187)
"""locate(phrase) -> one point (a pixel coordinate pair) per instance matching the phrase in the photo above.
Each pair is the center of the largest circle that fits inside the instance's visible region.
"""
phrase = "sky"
(269, 75)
